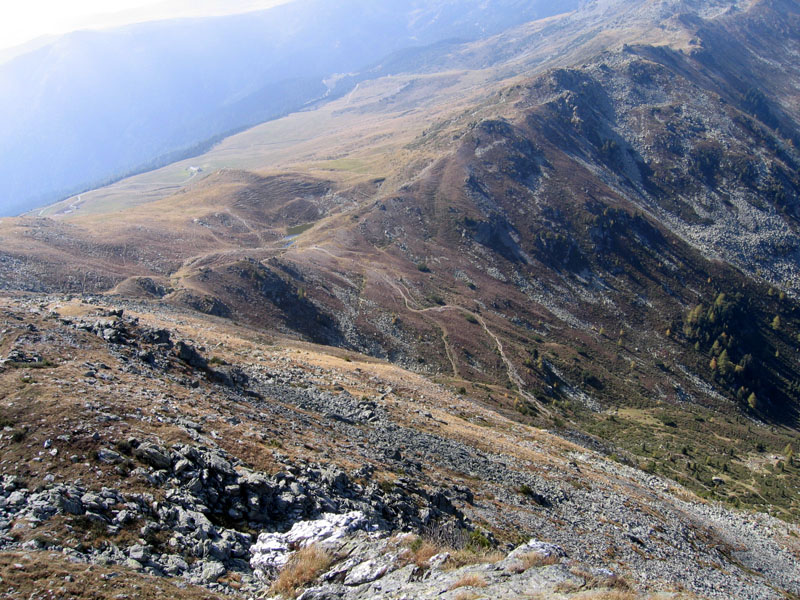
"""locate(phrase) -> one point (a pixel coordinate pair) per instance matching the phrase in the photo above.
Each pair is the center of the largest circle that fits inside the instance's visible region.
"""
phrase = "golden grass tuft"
(530, 560)
(423, 552)
(304, 567)
(419, 551)
(611, 595)
(471, 556)
(471, 580)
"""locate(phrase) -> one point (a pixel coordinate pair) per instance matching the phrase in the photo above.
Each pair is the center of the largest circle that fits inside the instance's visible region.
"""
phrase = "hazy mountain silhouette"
(94, 105)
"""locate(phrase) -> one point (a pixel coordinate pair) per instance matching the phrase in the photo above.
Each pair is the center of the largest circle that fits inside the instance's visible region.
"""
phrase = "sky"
(24, 20)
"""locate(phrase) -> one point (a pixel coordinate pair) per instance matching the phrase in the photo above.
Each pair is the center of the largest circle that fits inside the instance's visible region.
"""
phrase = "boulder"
(211, 571)
(153, 456)
(109, 457)
(368, 571)
(71, 505)
(139, 553)
(174, 564)
(190, 356)
(273, 550)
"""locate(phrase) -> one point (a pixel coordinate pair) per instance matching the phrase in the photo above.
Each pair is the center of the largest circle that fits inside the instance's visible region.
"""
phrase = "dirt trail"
(451, 355)
(511, 370)
(400, 287)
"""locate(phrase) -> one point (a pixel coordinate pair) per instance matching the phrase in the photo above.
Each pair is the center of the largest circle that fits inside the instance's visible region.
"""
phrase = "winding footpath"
(413, 306)
(513, 375)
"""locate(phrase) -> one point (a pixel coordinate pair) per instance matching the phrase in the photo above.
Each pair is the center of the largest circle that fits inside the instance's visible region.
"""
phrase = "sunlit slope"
(397, 99)
(94, 106)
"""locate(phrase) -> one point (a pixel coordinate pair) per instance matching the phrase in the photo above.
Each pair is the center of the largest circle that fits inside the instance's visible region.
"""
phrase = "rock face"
(272, 550)
(382, 566)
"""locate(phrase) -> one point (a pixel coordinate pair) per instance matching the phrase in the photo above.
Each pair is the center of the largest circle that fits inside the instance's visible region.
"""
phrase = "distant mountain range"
(93, 106)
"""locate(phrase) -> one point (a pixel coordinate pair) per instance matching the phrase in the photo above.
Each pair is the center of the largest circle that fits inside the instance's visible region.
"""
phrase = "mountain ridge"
(190, 81)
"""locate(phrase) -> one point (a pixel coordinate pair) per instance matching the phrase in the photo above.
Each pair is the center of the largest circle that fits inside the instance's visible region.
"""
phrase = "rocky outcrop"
(208, 504)
(374, 566)
(273, 550)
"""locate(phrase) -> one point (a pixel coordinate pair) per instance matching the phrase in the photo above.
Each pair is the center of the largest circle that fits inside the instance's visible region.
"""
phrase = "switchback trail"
(511, 370)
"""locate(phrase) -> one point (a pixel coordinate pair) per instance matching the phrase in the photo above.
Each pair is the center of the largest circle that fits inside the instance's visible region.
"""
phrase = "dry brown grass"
(421, 549)
(422, 553)
(470, 556)
(471, 580)
(610, 595)
(48, 575)
(530, 560)
(467, 596)
(303, 568)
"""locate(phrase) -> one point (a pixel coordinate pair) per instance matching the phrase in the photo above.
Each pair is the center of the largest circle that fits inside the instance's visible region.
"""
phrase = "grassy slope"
(377, 120)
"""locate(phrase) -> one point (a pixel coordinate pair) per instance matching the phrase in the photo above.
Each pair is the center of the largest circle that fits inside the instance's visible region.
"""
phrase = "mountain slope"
(560, 249)
(163, 463)
(94, 106)
(554, 292)
(408, 89)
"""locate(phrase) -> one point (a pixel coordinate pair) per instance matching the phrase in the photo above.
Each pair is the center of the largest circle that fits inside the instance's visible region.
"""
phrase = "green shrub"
(525, 490)
(478, 539)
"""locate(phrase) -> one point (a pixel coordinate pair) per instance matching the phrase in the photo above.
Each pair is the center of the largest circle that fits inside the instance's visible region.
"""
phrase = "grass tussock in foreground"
(470, 556)
(462, 549)
(304, 567)
(472, 580)
(530, 560)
